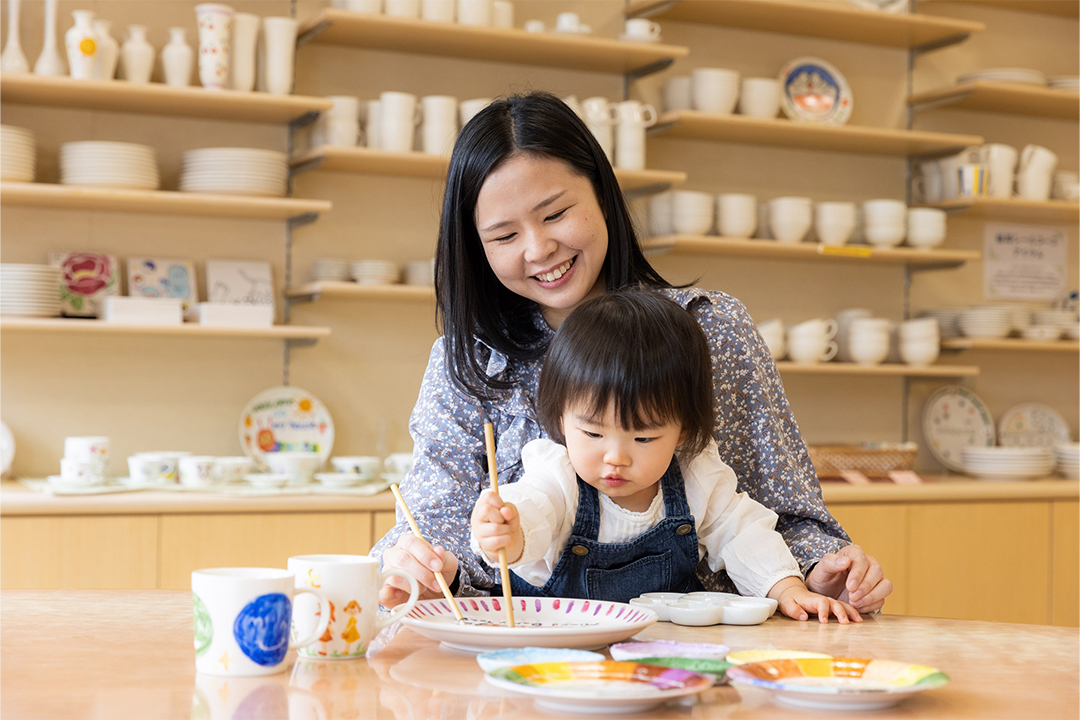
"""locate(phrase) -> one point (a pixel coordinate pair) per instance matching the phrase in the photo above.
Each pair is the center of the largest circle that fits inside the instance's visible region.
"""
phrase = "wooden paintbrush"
(504, 568)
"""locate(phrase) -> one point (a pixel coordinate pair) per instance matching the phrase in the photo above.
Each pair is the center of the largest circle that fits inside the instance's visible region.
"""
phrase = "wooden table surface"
(122, 654)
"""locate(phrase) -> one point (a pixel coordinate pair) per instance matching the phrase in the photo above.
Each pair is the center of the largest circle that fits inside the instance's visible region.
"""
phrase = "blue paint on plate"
(262, 628)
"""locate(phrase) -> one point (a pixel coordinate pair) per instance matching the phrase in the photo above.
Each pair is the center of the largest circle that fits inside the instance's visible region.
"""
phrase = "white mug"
(279, 43)
(714, 90)
(350, 584)
(1000, 161)
(641, 29)
(949, 185)
(399, 115)
(760, 97)
(736, 214)
(971, 179)
(1035, 175)
(197, 470)
(340, 125)
(927, 182)
(438, 131)
(469, 108)
(474, 12)
(438, 10)
(630, 135)
(600, 115)
(243, 618)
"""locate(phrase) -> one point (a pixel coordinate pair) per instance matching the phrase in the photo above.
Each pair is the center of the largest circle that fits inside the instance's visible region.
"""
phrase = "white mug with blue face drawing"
(243, 619)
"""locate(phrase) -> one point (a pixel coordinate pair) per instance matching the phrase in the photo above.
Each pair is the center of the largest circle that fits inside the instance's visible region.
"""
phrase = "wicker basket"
(869, 459)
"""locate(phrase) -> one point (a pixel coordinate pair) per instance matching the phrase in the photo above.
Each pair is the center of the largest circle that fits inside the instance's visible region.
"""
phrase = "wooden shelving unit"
(350, 290)
(576, 52)
(1059, 8)
(1010, 98)
(421, 165)
(884, 370)
(157, 202)
(833, 21)
(1014, 209)
(1065, 346)
(99, 327)
(805, 251)
(694, 125)
(157, 99)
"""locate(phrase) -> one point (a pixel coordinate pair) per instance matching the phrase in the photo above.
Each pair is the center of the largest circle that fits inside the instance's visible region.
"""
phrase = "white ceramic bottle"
(108, 53)
(50, 62)
(137, 55)
(177, 58)
(82, 45)
(13, 60)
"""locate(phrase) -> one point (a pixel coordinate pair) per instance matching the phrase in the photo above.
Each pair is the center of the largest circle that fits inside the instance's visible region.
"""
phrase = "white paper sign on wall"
(1025, 262)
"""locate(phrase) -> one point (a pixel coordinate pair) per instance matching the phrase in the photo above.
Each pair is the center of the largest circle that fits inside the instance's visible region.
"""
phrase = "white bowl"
(300, 467)
(364, 465)
(1042, 332)
(747, 611)
(696, 613)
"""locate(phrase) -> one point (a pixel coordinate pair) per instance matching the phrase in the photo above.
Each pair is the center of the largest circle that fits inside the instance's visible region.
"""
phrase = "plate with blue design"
(815, 91)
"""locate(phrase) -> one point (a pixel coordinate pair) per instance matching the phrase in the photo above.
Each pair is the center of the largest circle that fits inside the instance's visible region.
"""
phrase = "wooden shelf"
(1059, 8)
(1009, 98)
(833, 21)
(158, 202)
(773, 250)
(1014, 209)
(1069, 346)
(157, 99)
(351, 290)
(422, 165)
(576, 52)
(695, 125)
(883, 370)
(62, 325)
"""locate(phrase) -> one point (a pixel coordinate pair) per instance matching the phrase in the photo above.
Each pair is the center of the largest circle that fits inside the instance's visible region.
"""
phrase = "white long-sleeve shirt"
(734, 532)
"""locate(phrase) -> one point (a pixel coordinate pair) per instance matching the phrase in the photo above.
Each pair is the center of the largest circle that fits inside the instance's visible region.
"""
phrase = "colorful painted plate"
(668, 649)
(955, 418)
(540, 622)
(815, 91)
(533, 655)
(285, 419)
(1032, 425)
(600, 687)
(743, 657)
(834, 683)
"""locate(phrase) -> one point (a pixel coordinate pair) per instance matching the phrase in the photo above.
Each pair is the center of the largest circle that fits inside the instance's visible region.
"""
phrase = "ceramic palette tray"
(539, 622)
(598, 687)
(833, 683)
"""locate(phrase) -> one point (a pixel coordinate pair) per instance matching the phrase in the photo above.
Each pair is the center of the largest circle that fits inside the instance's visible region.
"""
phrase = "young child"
(634, 495)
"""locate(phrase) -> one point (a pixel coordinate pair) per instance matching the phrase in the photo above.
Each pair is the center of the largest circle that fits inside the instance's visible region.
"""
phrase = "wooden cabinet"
(1065, 563)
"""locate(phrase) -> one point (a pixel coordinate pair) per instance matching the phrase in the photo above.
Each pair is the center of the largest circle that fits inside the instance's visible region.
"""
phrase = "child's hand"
(796, 601)
(496, 525)
(422, 561)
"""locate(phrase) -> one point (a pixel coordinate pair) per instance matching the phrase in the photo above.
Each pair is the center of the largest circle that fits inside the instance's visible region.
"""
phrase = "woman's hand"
(420, 560)
(796, 602)
(497, 526)
(851, 575)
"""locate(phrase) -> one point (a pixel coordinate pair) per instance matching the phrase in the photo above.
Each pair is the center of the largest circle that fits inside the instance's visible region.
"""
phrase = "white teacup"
(243, 618)
(197, 470)
(633, 117)
(813, 350)
(926, 227)
(87, 448)
(691, 212)
(82, 472)
(299, 466)
(736, 214)
(157, 467)
(714, 90)
(232, 469)
(790, 218)
(772, 332)
(398, 464)
(834, 222)
(760, 97)
(351, 585)
(641, 29)
(363, 465)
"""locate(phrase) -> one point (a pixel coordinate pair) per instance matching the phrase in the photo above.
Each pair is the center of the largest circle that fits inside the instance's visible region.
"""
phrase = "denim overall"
(663, 559)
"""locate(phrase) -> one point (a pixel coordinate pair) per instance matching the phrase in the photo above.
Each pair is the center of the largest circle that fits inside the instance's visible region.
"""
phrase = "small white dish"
(340, 479)
(747, 611)
(267, 480)
(664, 596)
(696, 613)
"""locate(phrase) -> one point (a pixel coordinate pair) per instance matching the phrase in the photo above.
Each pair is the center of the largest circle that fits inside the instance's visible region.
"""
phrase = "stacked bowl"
(925, 227)
(109, 164)
(1008, 463)
(992, 321)
(376, 272)
(692, 212)
(331, 269)
(920, 341)
(868, 340)
(884, 222)
(235, 171)
(420, 272)
(1068, 459)
(18, 154)
(29, 290)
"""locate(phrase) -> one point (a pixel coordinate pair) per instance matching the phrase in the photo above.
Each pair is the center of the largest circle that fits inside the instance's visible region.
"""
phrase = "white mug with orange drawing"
(351, 585)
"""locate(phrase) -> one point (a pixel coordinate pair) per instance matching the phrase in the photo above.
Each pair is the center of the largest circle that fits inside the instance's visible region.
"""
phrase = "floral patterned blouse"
(755, 432)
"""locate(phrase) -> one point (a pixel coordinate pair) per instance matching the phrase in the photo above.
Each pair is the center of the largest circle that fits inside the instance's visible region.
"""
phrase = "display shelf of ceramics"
(157, 99)
(830, 20)
(772, 250)
(695, 125)
(351, 290)
(1060, 8)
(505, 45)
(999, 97)
(158, 202)
(1014, 208)
(965, 343)
(64, 325)
(884, 370)
(423, 165)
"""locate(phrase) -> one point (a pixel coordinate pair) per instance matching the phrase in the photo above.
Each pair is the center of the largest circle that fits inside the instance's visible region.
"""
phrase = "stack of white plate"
(32, 290)
(376, 272)
(18, 153)
(1063, 319)
(948, 320)
(1068, 459)
(1005, 75)
(991, 321)
(1065, 82)
(109, 164)
(235, 171)
(331, 269)
(1008, 463)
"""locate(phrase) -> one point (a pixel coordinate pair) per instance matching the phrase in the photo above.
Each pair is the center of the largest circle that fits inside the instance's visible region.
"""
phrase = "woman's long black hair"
(472, 302)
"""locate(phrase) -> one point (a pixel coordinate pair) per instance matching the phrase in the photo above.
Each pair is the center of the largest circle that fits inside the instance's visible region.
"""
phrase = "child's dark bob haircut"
(637, 351)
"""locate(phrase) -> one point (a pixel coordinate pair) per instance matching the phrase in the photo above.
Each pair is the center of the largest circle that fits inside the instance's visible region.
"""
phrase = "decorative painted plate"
(599, 687)
(533, 655)
(742, 657)
(815, 91)
(955, 418)
(834, 683)
(285, 419)
(1033, 425)
(540, 622)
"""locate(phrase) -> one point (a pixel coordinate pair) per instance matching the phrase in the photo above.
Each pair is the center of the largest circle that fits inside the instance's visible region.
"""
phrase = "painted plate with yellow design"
(285, 419)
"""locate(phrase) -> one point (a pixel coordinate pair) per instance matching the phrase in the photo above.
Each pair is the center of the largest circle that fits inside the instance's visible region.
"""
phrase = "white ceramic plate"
(285, 419)
(815, 91)
(1032, 425)
(955, 418)
(539, 621)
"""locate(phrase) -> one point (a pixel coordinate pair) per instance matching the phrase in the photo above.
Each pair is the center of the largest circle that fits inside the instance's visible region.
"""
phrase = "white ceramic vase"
(137, 55)
(50, 62)
(177, 58)
(244, 40)
(82, 45)
(108, 54)
(13, 60)
(279, 39)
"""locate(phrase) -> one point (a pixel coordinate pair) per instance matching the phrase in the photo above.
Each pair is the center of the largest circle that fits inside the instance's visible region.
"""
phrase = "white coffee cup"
(600, 117)
(232, 469)
(469, 108)
(299, 466)
(760, 97)
(365, 465)
(373, 125)
(408, 9)
(678, 94)
(1035, 175)
(927, 182)
(243, 618)
(1000, 161)
(474, 12)
(948, 165)
(438, 10)
(926, 227)
(197, 470)
(399, 115)
(641, 29)
(439, 129)
(772, 332)
(502, 14)
(82, 472)
(691, 212)
(790, 218)
(736, 214)
(340, 125)
(834, 222)
(714, 90)
(350, 584)
(972, 179)
(810, 347)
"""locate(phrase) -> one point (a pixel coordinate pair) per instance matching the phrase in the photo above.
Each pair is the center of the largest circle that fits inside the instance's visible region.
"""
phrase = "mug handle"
(648, 115)
(830, 328)
(830, 351)
(324, 619)
(401, 610)
(613, 113)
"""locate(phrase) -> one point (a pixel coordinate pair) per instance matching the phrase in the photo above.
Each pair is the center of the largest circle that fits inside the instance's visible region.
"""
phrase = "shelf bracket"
(305, 298)
(938, 44)
(659, 129)
(931, 104)
(307, 166)
(648, 11)
(637, 73)
(300, 342)
(304, 120)
(301, 220)
(313, 32)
